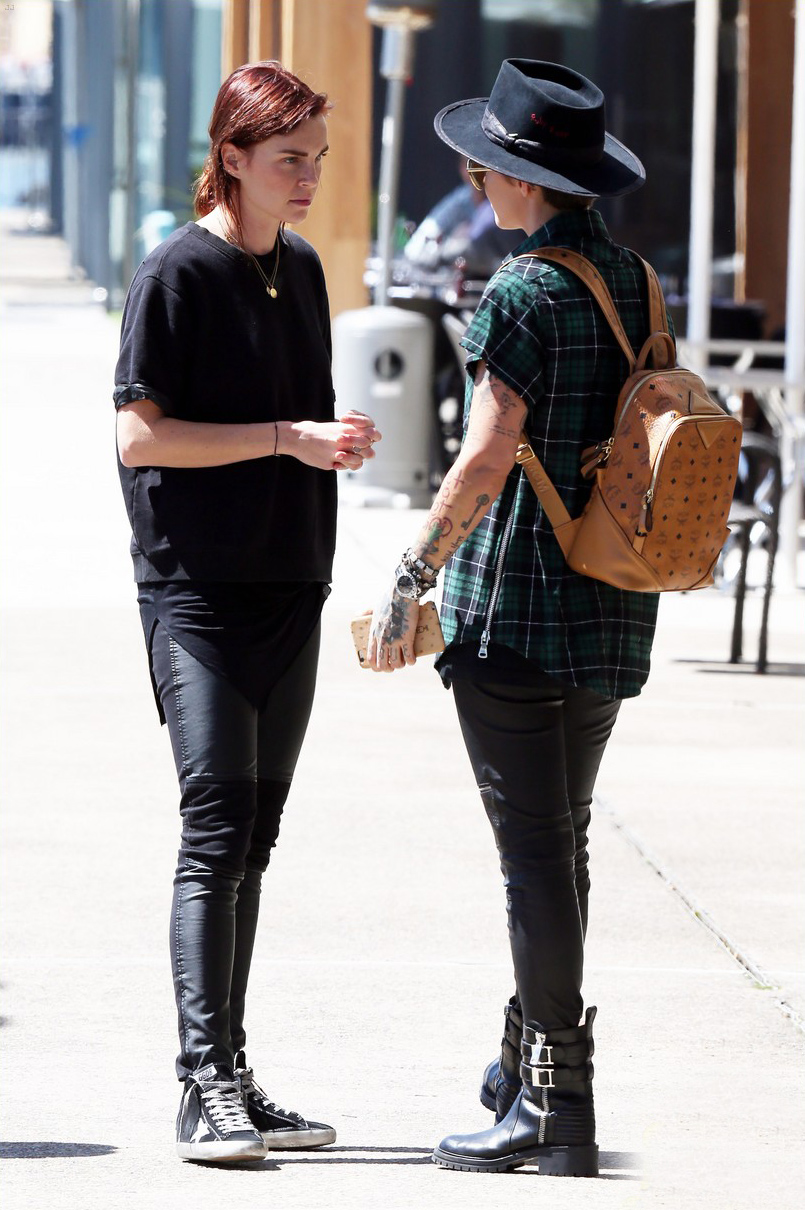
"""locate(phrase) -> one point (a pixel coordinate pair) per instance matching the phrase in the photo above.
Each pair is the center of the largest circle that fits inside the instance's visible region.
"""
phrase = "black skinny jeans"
(235, 765)
(535, 751)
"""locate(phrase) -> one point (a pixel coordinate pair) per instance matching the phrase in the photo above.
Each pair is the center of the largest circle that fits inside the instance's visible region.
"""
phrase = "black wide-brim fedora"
(544, 124)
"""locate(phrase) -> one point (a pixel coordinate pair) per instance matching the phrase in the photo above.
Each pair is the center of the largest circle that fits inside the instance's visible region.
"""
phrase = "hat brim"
(617, 172)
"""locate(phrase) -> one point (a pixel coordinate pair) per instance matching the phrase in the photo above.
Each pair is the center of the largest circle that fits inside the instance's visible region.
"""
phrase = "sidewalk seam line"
(747, 964)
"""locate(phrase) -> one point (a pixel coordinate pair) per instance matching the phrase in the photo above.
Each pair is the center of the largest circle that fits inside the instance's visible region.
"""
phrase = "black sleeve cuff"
(129, 392)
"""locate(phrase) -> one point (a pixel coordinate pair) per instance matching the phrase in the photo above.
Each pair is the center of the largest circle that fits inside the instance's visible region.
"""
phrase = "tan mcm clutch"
(429, 638)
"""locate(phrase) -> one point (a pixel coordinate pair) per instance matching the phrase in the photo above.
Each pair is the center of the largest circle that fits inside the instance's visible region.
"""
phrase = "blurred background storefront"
(105, 105)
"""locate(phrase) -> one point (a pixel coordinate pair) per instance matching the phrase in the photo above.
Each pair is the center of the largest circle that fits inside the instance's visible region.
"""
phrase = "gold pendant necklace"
(271, 290)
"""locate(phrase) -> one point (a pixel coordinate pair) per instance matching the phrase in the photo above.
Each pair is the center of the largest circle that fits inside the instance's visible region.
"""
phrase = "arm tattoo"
(397, 620)
(480, 501)
(440, 527)
(502, 395)
(502, 431)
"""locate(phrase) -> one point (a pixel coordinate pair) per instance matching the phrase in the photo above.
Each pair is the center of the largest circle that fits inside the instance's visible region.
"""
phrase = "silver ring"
(356, 449)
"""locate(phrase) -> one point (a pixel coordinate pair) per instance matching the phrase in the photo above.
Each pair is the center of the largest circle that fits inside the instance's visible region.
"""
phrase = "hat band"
(532, 149)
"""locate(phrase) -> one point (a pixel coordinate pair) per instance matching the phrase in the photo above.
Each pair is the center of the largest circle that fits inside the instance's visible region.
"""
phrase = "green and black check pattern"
(539, 330)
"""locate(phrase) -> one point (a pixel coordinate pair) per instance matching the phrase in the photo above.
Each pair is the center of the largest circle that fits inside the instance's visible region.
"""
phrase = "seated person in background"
(463, 225)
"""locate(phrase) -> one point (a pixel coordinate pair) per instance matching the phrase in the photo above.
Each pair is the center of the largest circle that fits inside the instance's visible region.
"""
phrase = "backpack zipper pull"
(646, 522)
(596, 456)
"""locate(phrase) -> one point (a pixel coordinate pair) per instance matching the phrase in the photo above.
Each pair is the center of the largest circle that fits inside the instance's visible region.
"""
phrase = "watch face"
(406, 585)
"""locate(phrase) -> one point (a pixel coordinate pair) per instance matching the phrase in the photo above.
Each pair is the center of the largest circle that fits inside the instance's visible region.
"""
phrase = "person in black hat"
(539, 657)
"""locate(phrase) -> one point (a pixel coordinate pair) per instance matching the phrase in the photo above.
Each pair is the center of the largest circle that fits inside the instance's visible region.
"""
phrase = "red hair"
(257, 101)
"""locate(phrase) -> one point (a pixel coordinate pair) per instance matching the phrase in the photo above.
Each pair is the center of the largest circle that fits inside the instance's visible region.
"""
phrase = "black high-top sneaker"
(552, 1120)
(501, 1080)
(213, 1125)
(281, 1129)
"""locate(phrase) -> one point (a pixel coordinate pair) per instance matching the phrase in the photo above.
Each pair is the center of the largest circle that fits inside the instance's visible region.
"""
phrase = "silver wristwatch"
(407, 583)
(413, 578)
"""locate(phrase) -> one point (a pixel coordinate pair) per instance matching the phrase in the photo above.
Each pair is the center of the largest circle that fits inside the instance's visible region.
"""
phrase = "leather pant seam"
(173, 647)
(180, 966)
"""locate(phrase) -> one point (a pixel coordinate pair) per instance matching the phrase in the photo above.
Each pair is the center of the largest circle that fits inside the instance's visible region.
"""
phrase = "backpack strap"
(587, 272)
(661, 351)
(547, 494)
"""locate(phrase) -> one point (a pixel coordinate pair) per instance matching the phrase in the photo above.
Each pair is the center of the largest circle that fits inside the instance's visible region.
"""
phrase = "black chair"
(757, 504)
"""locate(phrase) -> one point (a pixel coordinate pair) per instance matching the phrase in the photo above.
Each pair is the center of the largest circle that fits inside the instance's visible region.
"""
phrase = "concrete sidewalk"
(381, 967)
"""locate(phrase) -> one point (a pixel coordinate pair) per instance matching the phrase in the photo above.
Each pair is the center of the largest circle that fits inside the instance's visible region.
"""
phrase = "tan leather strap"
(662, 351)
(587, 272)
(657, 318)
(547, 494)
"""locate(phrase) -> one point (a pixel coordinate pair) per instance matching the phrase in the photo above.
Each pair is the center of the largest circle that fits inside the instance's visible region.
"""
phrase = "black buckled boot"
(552, 1120)
(501, 1082)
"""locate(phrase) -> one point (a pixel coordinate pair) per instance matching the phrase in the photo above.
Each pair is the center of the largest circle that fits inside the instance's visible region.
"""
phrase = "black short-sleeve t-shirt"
(202, 338)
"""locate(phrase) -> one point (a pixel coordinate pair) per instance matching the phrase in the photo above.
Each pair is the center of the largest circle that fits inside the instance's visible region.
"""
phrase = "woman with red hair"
(227, 441)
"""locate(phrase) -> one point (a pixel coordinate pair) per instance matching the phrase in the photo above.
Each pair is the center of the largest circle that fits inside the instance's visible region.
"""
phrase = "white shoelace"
(224, 1105)
(250, 1086)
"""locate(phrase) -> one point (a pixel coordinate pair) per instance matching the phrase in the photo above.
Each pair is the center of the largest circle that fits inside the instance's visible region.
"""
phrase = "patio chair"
(754, 518)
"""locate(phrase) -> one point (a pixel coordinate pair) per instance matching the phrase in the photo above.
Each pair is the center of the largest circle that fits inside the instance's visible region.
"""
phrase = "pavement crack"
(760, 978)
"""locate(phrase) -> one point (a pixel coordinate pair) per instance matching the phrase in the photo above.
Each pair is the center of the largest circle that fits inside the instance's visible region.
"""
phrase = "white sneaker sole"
(299, 1140)
(221, 1152)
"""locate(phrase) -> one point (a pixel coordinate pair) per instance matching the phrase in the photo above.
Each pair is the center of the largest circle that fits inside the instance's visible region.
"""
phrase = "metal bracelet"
(424, 574)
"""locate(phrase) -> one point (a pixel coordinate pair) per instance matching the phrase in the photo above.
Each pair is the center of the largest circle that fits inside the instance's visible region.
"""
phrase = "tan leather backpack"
(657, 516)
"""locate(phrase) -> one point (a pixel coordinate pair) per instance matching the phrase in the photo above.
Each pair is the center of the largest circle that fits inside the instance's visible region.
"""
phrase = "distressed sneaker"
(213, 1125)
(281, 1129)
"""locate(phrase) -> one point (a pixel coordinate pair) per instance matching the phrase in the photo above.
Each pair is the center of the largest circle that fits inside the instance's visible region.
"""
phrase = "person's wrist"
(413, 577)
(422, 571)
(285, 437)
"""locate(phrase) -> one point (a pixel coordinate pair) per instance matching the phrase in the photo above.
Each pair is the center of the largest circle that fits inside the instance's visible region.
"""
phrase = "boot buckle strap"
(537, 1053)
(539, 1077)
(537, 1067)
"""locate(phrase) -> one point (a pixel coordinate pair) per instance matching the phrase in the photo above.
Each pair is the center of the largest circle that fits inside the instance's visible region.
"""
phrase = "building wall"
(769, 102)
(329, 47)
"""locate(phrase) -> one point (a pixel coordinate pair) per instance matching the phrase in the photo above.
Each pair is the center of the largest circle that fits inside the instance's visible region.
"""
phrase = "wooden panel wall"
(328, 45)
(768, 153)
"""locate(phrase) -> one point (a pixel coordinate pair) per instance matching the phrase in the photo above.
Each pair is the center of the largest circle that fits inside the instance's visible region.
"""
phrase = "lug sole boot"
(501, 1080)
(552, 1120)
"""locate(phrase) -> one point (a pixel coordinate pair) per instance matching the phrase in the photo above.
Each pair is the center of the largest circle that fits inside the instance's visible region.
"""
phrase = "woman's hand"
(392, 633)
(337, 445)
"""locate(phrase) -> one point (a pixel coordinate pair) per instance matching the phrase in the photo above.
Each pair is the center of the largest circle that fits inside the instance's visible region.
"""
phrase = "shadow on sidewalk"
(53, 1151)
(725, 668)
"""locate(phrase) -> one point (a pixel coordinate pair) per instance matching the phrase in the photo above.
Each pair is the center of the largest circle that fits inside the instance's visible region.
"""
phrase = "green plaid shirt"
(540, 331)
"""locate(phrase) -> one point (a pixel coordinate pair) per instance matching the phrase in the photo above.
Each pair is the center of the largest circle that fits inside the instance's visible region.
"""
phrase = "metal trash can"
(382, 364)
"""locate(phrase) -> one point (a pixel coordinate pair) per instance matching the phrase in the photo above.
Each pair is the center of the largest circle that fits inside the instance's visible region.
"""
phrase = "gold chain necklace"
(271, 290)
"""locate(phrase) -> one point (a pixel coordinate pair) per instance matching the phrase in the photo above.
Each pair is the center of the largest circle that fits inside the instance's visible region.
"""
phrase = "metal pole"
(396, 64)
(700, 256)
(791, 513)
(132, 18)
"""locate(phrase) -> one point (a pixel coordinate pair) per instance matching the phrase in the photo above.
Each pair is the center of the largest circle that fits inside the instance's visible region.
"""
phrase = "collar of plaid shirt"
(540, 331)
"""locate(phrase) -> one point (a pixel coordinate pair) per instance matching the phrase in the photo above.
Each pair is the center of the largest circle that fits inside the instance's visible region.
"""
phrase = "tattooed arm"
(469, 489)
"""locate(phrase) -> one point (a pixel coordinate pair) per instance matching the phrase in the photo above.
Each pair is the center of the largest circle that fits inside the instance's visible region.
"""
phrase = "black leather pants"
(535, 751)
(235, 765)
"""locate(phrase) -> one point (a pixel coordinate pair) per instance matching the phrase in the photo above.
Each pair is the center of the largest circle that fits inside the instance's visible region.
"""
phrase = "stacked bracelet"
(424, 575)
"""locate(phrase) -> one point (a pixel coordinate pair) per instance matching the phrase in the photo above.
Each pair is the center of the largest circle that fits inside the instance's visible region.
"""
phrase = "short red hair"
(257, 101)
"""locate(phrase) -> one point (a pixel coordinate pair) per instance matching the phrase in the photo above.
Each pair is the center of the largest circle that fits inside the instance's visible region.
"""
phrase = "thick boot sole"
(487, 1099)
(552, 1161)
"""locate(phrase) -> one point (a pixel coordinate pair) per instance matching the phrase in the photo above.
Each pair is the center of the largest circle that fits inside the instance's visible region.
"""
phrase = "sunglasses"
(477, 174)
